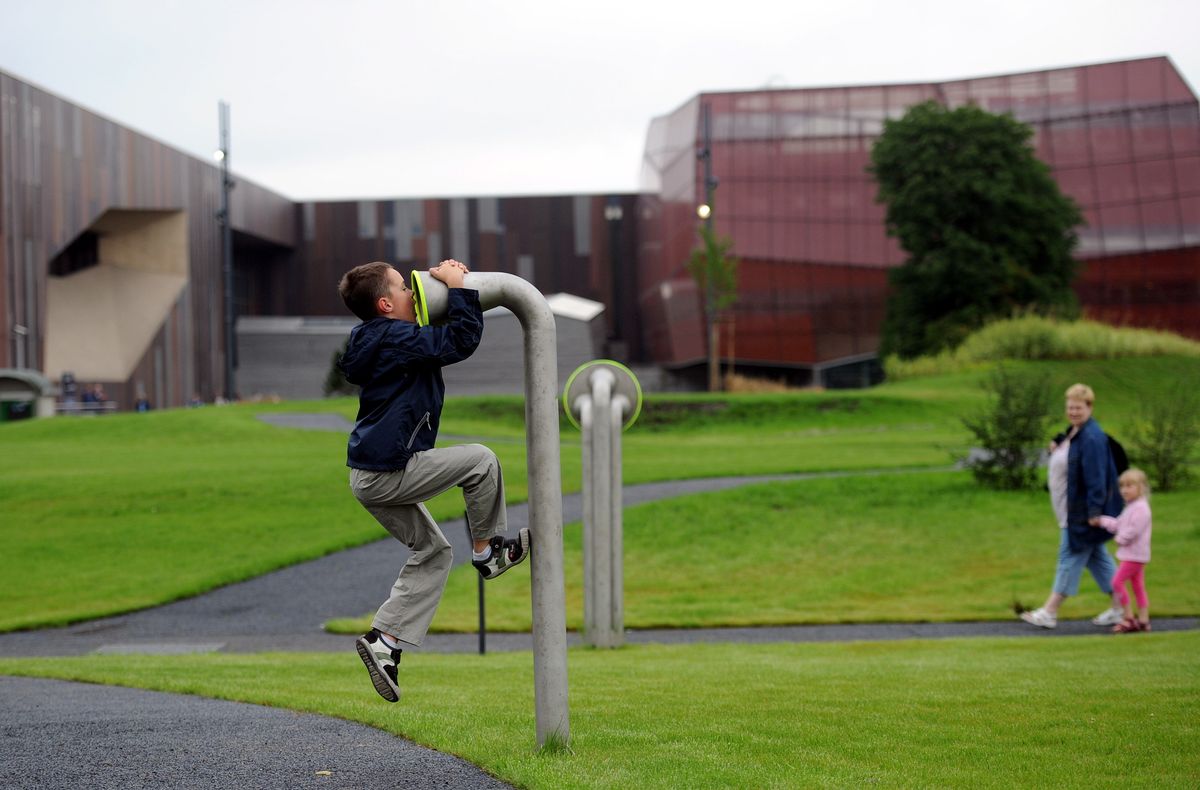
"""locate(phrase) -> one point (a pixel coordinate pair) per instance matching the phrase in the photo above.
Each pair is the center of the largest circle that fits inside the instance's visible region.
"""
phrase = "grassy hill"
(104, 515)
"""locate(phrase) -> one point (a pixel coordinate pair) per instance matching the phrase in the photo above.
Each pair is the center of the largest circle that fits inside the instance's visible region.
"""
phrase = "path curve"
(286, 609)
(56, 733)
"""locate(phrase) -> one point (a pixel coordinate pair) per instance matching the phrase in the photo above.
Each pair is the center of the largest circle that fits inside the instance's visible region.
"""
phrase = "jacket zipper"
(424, 422)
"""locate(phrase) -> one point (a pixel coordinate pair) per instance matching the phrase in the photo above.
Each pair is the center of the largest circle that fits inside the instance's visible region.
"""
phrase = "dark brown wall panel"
(62, 167)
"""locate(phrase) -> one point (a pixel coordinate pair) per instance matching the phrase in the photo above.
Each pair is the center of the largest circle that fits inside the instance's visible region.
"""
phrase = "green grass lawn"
(901, 547)
(117, 513)
(1088, 712)
(107, 515)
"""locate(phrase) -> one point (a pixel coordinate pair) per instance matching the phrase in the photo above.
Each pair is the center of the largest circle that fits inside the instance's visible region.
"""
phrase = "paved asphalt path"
(74, 735)
(59, 734)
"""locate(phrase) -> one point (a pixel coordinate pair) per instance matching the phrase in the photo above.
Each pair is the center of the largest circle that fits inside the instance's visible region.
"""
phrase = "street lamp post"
(705, 212)
(613, 213)
(222, 156)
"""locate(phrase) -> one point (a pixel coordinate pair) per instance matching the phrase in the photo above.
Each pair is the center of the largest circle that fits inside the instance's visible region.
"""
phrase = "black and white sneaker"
(505, 554)
(381, 662)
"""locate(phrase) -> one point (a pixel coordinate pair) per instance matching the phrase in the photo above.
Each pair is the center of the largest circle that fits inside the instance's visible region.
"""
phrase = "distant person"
(69, 388)
(394, 467)
(142, 404)
(1083, 487)
(1132, 529)
(195, 401)
(95, 395)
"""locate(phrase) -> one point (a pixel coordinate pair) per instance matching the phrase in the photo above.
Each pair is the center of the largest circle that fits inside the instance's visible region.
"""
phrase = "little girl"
(1132, 529)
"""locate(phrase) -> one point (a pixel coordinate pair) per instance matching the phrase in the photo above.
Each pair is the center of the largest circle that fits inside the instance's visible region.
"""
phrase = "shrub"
(335, 382)
(1037, 337)
(1163, 437)
(1010, 429)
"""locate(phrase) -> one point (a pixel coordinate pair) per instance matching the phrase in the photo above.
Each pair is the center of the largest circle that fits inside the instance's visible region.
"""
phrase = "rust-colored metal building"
(110, 264)
(1122, 139)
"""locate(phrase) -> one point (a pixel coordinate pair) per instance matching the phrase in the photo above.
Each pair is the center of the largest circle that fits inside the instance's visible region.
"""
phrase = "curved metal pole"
(498, 289)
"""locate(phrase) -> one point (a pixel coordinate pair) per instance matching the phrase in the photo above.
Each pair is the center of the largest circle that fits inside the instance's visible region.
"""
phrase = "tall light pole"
(705, 212)
(613, 214)
(222, 156)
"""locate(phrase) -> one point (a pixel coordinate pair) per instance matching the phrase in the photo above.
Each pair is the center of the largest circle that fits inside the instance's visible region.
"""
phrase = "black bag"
(1114, 447)
(1118, 455)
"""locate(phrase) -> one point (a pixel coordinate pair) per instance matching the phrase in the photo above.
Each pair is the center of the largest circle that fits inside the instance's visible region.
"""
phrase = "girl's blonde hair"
(1081, 392)
(1135, 475)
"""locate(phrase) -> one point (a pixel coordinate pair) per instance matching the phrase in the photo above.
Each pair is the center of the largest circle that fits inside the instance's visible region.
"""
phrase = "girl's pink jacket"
(1132, 529)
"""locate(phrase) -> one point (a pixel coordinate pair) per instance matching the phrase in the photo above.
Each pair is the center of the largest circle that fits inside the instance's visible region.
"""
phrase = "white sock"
(478, 556)
(387, 640)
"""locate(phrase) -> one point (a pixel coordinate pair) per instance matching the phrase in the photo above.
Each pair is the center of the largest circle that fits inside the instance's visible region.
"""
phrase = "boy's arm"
(455, 340)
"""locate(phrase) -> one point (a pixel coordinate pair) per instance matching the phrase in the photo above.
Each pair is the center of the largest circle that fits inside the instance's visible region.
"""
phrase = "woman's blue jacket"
(1091, 486)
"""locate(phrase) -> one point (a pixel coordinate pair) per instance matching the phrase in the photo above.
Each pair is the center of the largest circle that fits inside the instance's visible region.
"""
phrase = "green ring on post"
(623, 382)
(421, 306)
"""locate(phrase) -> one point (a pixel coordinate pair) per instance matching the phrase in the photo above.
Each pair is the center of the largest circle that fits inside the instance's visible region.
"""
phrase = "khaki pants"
(396, 500)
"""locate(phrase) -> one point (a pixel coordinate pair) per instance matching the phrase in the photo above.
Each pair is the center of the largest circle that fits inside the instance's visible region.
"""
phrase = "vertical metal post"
(479, 582)
(227, 256)
(602, 381)
(482, 621)
(602, 393)
(620, 408)
(613, 214)
(588, 539)
(710, 304)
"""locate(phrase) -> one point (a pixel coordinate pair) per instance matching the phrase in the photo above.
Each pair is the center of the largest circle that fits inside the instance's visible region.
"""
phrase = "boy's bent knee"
(482, 453)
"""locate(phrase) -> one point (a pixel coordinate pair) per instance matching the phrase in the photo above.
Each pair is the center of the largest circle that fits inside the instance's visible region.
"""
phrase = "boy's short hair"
(1137, 476)
(1081, 392)
(363, 286)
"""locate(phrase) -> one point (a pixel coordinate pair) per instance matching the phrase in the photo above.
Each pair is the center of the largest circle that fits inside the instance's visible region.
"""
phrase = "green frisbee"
(422, 307)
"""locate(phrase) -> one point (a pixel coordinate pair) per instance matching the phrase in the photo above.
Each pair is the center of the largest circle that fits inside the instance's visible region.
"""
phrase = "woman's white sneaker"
(1041, 618)
(1109, 617)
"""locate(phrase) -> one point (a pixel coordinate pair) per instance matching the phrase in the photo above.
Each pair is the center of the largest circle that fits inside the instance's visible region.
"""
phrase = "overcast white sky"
(366, 98)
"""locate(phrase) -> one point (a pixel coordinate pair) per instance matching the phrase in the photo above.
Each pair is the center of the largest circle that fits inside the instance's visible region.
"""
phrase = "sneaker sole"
(383, 684)
(523, 537)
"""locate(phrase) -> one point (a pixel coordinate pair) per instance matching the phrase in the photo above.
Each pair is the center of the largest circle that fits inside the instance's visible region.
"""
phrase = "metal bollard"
(602, 398)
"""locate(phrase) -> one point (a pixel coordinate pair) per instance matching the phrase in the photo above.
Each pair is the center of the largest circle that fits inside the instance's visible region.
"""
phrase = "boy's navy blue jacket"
(399, 367)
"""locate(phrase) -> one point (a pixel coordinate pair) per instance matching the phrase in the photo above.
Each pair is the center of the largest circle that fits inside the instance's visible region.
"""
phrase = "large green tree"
(987, 230)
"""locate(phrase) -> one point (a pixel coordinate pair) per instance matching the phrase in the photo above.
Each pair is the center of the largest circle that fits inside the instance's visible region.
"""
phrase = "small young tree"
(335, 382)
(715, 272)
(1010, 429)
(1163, 438)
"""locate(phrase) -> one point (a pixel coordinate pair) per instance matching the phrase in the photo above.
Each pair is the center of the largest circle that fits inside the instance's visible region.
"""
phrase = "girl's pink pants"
(1135, 574)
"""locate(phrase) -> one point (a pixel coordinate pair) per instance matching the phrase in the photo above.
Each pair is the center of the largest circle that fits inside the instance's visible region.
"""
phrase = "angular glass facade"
(1122, 139)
